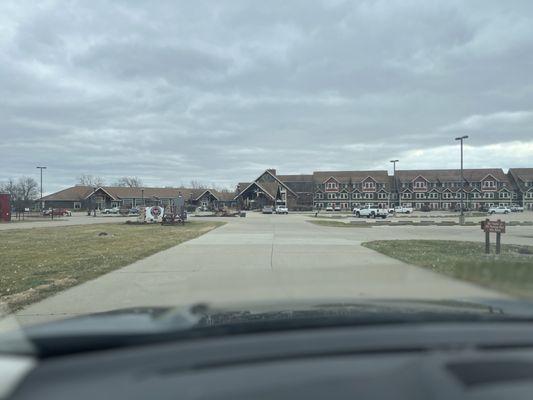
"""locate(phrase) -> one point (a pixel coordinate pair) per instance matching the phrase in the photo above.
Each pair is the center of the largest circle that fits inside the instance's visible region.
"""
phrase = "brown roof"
(151, 192)
(224, 196)
(355, 176)
(524, 174)
(451, 175)
(295, 178)
(75, 193)
(78, 193)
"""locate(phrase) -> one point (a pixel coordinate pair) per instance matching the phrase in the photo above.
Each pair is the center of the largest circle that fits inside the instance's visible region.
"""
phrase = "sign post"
(497, 227)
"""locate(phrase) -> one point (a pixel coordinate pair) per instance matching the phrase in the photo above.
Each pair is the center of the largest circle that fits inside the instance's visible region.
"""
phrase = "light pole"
(94, 201)
(142, 196)
(462, 217)
(41, 168)
(394, 177)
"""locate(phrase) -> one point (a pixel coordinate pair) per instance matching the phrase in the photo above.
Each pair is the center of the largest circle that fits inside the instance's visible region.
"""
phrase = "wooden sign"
(497, 227)
(493, 226)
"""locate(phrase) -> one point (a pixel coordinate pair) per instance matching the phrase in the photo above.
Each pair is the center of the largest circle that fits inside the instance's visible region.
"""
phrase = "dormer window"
(369, 185)
(331, 185)
(420, 185)
(489, 184)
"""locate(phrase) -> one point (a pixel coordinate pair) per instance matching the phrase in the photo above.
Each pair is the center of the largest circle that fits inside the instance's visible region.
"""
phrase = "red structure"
(5, 208)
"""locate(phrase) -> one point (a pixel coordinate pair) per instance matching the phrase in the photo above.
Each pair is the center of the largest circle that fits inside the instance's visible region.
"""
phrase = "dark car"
(268, 210)
(60, 212)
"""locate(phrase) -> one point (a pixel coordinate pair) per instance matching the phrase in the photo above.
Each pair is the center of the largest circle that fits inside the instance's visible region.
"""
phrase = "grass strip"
(510, 272)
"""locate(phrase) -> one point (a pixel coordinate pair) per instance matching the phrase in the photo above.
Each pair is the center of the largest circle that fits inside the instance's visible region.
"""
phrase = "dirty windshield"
(241, 156)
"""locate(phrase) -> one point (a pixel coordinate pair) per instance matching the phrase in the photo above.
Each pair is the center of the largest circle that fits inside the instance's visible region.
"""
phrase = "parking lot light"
(462, 216)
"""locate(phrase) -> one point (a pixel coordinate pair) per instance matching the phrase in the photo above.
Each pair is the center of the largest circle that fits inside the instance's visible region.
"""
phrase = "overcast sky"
(217, 91)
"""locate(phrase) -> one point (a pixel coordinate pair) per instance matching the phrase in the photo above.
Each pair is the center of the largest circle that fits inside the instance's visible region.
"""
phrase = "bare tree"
(90, 180)
(129, 181)
(23, 192)
(10, 187)
(197, 185)
(27, 188)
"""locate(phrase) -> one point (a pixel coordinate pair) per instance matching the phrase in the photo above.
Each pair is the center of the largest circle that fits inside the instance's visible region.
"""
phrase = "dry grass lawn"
(510, 272)
(35, 263)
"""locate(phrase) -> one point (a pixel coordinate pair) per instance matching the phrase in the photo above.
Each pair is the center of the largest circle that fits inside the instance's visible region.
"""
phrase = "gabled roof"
(103, 190)
(267, 189)
(272, 173)
(419, 176)
(520, 176)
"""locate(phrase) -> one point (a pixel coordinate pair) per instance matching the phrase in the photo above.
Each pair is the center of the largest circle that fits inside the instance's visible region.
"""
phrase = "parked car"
(134, 211)
(403, 210)
(370, 211)
(282, 210)
(425, 208)
(329, 208)
(60, 212)
(499, 210)
(458, 209)
(113, 210)
(268, 210)
(516, 208)
(337, 208)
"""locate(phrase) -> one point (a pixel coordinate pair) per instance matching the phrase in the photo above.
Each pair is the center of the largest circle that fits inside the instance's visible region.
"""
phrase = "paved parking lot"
(266, 257)
(76, 219)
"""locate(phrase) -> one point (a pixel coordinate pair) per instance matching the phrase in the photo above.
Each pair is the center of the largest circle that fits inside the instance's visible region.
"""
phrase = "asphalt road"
(264, 257)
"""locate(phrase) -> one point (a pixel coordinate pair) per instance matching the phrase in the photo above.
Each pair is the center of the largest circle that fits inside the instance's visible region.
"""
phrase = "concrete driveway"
(261, 257)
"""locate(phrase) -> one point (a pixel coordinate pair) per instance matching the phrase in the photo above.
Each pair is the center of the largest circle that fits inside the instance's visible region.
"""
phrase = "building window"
(433, 195)
(447, 195)
(77, 205)
(420, 196)
(382, 196)
(488, 195)
(420, 185)
(406, 195)
(369, 195)
(504, 195)
(344, 195)
(356, 195)
(319, 196)
(331, 185)
(369, 185)
(489, 184)
(475, 195)
(332, 195)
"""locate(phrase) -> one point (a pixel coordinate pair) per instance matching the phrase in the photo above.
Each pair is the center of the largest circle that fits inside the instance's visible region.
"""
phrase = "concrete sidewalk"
(261, 257)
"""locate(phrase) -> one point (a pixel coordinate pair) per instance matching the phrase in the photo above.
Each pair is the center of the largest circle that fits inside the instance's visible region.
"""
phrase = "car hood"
(131, 326)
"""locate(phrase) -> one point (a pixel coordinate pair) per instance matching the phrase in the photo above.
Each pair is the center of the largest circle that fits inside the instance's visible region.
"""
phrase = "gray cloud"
(216, 91)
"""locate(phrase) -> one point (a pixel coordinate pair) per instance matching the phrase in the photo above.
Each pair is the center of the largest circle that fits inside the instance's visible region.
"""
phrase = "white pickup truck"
(499, 210)
(403, 210)
(371, 212)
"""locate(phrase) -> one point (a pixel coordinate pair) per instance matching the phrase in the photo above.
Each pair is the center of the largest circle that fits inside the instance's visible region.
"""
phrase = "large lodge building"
(438, 189)
(429, 189)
